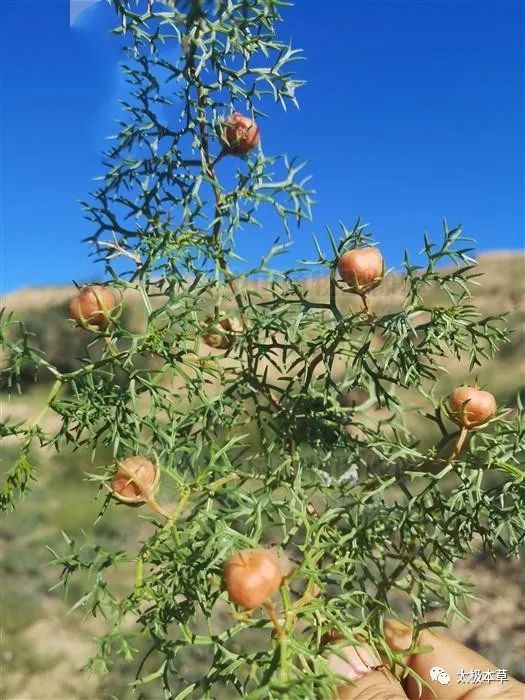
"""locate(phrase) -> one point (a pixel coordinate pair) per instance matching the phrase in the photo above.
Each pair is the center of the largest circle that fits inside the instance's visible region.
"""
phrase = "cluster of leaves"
(254, 441)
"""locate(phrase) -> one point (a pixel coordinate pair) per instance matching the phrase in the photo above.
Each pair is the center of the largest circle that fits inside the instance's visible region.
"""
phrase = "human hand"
(360, 664)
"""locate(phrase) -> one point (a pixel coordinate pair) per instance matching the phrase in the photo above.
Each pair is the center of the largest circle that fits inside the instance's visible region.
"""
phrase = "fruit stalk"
(152, 503)
(459, 444)
(272, 614)
(366, 305)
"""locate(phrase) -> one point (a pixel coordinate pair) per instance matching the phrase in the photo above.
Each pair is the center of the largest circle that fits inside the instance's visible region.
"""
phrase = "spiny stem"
(109, 345)
(222, 481)
(180, 507)
(219, 157)
(311, 593)
(329, 351)
(312, 590)
(139, 574)
(209, 165)
(49, 400)
(172, 518)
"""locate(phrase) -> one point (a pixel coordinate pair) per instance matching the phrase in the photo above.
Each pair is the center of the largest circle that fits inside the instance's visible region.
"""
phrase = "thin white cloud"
(77, 7)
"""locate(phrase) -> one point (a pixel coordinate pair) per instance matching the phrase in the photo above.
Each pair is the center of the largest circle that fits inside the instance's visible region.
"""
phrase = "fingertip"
(398, 635)
(379, 685)
(353, 662)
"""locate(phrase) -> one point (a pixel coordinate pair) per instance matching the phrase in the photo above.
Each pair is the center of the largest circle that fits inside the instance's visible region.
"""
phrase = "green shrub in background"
(243, 404)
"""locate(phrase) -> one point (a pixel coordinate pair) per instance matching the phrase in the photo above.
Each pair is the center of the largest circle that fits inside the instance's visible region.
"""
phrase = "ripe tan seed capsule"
(471, 407)
(222, 340)
(361, 268)
(252, 576)
(239, 134)
(93, 306)
(135, 481)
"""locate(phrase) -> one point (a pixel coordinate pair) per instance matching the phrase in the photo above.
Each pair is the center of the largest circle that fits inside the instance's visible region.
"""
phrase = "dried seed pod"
(470, 407)
(331, 636)
(94, 307)
(252, 576)
(239, 134)
(362, 269)
(135, 481)
(223, 337)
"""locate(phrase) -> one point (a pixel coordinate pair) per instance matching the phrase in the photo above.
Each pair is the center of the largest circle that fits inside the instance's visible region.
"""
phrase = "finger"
(375, 685)
(357, 665)
(513, 690)
(453, 658)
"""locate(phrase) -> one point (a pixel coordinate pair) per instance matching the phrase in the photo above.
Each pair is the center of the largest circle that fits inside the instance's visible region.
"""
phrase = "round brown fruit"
(93, 306)
(222, 340)
(135, 479)
(252, 576)
(471, 407)
(239, 134)
(361, 268)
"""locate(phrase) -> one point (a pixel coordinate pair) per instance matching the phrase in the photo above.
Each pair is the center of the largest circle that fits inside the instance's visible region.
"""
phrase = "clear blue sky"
(413, 111)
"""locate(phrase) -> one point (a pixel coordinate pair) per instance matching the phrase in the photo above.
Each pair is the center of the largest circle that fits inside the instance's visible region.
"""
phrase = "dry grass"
(501, 287)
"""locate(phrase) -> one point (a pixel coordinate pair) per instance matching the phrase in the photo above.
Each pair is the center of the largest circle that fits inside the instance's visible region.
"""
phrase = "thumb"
(359, 666)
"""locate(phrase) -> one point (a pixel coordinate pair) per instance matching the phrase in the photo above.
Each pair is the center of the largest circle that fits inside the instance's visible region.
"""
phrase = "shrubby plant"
(290, 482)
